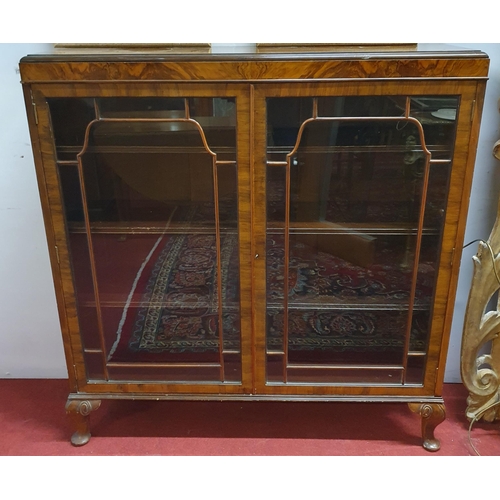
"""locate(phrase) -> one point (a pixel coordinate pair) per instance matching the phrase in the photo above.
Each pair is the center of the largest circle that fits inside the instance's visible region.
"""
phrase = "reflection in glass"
(152, 213)
(345, 225)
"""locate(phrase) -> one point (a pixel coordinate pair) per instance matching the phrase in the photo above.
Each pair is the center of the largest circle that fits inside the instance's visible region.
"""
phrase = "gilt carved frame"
(480, 356)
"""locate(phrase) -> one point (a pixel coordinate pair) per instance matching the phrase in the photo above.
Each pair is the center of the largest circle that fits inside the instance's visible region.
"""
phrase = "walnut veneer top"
(95, 64)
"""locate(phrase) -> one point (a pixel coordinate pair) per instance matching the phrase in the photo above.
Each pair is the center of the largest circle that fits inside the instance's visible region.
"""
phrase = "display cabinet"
(263, 226)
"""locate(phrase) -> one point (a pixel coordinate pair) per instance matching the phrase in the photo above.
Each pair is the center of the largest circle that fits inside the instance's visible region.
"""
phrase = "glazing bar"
(315, 107)
(117, 364)
(408, 107)
(93, 271)
(420, 228)
(286, 269)
(219, 267)
(97, 110)
(153, 120)
(439, 161)
(67, 162)
(345, 367)
(418, 246)
(88, 230)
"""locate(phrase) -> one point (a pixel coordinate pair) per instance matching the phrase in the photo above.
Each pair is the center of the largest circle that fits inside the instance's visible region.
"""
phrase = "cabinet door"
(154, 190)
(355, 190)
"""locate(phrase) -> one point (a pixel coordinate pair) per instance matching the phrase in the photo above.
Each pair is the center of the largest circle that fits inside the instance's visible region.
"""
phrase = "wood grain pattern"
(243, 123)
(58, 245)
(469, 149)
(38, 139)
(253, 70)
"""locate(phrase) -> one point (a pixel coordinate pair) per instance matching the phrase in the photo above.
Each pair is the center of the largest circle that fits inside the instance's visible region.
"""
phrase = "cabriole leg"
(78, 412)
(432, 415)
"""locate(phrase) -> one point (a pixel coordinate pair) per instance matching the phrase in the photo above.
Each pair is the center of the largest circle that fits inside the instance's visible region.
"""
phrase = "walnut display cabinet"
(262, 226)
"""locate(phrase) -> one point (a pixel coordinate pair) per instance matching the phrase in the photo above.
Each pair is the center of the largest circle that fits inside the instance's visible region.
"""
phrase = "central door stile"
(259, 238)
(244, 130)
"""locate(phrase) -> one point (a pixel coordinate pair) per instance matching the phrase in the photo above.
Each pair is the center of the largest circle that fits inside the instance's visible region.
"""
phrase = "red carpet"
(33, 422)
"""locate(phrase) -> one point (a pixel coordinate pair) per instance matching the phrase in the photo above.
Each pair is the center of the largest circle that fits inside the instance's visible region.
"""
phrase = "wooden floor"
(33, 423)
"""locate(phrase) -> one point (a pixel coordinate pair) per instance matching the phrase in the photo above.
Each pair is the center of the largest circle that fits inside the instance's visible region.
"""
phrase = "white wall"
(30, 340)
(30, 336)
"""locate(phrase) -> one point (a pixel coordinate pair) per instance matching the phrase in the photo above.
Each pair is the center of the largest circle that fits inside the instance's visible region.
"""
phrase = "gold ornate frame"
(480, 357)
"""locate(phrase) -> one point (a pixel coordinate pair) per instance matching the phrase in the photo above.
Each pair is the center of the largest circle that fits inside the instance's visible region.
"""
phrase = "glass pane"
(154, 242)
(350, 276)
(82, 276)
(374, 106)
(438, 115)
(284, 118)
(69, 120)
(415, 370)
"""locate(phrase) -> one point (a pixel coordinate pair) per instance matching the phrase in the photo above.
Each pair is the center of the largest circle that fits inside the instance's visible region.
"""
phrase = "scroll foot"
(432, 415)
(79, 412)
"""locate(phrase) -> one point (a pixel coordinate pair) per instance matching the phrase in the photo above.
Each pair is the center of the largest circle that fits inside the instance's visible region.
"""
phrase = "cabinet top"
(192, 62)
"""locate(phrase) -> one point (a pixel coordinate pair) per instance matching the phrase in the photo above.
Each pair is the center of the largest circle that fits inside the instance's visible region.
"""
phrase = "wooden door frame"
(470, 93)
(52, 207)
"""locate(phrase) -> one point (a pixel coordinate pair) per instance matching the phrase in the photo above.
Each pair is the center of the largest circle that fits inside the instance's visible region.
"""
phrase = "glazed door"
(154, 190)
(355, 189)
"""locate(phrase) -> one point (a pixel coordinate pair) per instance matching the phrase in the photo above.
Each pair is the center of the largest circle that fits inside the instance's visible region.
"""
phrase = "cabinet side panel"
(40, 137)
(471, 149)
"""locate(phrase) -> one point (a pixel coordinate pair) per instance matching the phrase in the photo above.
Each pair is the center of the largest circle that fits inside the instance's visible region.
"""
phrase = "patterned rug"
(178, 309)
(177, 314)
